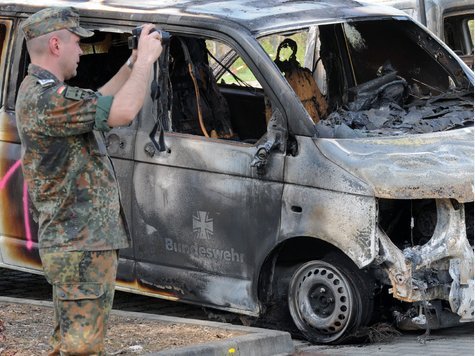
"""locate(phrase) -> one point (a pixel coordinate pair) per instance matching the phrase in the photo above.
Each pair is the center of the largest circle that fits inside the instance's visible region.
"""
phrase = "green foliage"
(270, 45)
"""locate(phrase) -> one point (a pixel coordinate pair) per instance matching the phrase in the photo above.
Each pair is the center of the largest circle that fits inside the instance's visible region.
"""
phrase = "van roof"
(255, 15)
(444, 4)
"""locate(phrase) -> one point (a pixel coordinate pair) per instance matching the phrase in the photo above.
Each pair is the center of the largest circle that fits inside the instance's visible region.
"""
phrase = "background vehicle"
(249, 204)
(450, 20)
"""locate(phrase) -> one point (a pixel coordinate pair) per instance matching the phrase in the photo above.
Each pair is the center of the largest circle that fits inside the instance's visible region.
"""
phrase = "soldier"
(70, 178)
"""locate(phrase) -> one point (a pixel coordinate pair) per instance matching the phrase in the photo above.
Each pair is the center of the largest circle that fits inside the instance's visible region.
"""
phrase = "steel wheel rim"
(323, 299)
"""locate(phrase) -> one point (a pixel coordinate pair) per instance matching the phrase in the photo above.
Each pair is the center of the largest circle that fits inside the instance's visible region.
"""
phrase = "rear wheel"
(328, 301)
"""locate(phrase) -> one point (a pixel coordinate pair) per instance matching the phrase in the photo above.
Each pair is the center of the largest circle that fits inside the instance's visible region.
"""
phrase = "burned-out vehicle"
(311, 159)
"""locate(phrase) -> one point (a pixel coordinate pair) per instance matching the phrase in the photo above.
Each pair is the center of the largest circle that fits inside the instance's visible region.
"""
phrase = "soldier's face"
(70, 56)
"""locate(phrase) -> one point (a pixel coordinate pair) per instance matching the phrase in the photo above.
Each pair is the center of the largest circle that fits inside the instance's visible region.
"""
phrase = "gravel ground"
(25, 330)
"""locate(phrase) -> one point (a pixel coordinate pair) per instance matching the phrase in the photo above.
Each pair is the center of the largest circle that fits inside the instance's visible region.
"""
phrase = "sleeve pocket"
(79, 291)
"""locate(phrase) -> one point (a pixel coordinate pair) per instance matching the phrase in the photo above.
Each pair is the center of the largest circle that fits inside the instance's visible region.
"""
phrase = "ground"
(25, 330)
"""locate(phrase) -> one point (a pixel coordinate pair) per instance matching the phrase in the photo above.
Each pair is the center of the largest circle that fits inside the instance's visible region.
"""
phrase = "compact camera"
(134, 39)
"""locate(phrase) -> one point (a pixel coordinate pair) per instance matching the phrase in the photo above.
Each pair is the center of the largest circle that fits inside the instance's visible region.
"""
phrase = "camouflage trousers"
(83, 291)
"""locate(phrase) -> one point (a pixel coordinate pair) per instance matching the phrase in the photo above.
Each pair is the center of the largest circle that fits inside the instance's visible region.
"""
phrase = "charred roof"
(255, 15)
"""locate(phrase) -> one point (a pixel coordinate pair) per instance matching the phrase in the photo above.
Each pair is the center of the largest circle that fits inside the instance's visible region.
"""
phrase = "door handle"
(114, 143)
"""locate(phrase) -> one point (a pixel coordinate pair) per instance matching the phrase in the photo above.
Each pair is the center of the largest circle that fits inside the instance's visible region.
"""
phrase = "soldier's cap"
(53, 19)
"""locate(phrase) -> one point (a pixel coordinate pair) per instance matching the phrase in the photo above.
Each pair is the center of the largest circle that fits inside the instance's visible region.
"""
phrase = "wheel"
(325, 302)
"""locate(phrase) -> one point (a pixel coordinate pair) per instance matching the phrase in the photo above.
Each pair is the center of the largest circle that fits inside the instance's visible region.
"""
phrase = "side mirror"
(276, 138)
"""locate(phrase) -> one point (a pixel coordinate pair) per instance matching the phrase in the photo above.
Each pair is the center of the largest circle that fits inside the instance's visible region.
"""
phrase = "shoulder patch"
(75, 93)
(45, 83)
(61, 89)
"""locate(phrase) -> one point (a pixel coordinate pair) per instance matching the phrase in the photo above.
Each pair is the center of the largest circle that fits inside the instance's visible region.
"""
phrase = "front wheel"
(326, 301)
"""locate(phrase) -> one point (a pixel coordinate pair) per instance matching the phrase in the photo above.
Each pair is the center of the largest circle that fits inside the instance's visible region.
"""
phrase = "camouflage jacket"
(71, 181)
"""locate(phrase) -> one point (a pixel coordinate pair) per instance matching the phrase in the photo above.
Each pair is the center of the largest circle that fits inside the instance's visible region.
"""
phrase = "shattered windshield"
(365, 78)
(396, 83)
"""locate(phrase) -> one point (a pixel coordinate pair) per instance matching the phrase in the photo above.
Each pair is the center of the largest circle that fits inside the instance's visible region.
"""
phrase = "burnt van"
(310, 160)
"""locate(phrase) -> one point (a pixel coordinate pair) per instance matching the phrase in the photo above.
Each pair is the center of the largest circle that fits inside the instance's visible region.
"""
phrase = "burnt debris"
(388, 105)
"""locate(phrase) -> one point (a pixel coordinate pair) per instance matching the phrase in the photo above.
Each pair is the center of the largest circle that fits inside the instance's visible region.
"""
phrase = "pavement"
(262, 342)
(253, 341)
(454, 341)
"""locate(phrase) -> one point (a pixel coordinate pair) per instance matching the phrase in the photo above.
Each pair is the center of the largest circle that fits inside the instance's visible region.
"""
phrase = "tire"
(328, 301)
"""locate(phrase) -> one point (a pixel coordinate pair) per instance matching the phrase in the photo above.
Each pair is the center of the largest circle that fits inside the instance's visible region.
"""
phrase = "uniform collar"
(41, 73)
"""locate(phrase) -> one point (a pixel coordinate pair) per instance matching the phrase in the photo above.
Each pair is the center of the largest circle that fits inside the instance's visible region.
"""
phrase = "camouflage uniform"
(73, 187)
(83, 291)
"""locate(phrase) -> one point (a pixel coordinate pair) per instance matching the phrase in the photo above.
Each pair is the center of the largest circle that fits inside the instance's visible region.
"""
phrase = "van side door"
(203, 217)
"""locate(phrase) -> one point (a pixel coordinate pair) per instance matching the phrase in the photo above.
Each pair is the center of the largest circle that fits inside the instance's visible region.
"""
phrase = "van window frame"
(7, 24)
(210, 39)
(19, 56)
(462, 19)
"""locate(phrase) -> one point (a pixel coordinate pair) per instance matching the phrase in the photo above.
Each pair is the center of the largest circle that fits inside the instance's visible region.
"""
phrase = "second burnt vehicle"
(450, 20)
(311, 159)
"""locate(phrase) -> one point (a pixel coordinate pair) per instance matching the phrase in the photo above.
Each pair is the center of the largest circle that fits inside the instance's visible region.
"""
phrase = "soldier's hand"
(150, 46)
(133, 56)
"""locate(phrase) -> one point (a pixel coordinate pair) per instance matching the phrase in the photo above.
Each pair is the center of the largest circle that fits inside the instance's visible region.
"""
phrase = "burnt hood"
(435, 165)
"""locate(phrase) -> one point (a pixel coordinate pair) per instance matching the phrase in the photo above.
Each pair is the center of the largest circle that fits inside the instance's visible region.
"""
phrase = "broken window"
(103, 55)
(379, 89)
(198, 106)
(368, 50)
(357, 85)
(237, 73)
(227, 106)
(292, 54)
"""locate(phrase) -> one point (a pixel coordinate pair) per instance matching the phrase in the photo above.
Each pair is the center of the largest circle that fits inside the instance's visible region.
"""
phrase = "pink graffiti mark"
(6, 177)
(26, 214)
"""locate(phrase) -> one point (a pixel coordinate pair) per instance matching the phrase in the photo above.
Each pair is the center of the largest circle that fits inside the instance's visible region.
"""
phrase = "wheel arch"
(276, 284)
(288, 253)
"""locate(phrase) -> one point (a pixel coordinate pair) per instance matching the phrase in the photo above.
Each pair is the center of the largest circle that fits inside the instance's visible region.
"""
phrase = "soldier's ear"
(54, 45)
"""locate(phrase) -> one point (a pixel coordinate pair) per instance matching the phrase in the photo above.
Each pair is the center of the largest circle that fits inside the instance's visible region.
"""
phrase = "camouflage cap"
(53, 19)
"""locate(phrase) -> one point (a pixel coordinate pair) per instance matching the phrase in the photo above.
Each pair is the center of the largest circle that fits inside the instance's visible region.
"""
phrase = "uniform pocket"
(79, 291)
